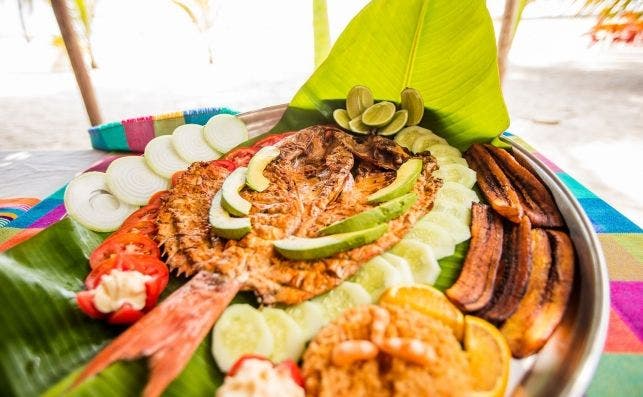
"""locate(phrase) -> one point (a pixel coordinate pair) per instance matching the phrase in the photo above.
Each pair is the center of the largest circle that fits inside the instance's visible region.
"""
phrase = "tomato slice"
(158, 198)
(227, 164)
(144, 227)
(241, 157)
(127, 243)
(145, 213)
(271, 140)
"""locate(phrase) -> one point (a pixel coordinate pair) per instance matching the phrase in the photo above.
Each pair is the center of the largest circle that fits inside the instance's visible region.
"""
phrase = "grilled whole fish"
(322, 175)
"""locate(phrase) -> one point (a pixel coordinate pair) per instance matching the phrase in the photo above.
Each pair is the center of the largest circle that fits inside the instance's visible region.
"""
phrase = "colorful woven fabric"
(132, 135)
(620, 371)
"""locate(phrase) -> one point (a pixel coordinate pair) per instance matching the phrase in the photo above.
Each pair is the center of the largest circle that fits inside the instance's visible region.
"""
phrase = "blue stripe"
(606, 219)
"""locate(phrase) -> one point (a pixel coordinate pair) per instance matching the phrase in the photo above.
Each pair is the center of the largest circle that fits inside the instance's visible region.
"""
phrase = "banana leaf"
(445, 49)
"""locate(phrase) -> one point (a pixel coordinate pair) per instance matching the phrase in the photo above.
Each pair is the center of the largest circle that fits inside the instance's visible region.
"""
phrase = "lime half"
(379, 114)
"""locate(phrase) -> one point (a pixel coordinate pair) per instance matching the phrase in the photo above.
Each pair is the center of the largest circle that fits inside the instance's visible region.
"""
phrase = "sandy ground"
(579, 106)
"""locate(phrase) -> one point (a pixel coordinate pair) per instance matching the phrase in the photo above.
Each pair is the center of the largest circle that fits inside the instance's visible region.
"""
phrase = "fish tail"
(170, 333)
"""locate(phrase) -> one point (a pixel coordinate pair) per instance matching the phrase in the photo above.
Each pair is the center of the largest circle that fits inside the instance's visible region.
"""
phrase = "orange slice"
(429, 301)
(489, 357)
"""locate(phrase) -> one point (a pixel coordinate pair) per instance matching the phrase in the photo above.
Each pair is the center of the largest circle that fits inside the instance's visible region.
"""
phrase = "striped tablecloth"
(620, 372)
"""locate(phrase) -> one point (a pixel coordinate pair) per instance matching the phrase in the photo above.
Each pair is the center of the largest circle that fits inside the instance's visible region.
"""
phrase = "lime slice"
(405, 178)
(456, 228)
(231, 200)
(396, 124)
(309, 315)
(288, 338)
(303, 248)
(411, 100)
(359, 98)
(379, 115)
(224, 132)
(452, 160)
(457, 173)
(376, 276)
(373, 217)
(437, 237)
(420, 256)
(342, 118)
(223, 225)
(240, 330)
(444, 150)
(401, 265)
(255, 178)
(342, 297)
(358, 127)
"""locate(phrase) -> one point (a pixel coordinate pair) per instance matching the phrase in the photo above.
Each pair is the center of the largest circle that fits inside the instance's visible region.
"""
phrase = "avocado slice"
(231, 200)
(304, 248)
(255, 179)
(224, 225)
(369, 218)
(404, 181)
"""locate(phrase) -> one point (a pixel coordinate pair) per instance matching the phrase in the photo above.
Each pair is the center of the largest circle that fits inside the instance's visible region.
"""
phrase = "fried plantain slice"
(548, 290)
(493, 182)
(474, 287)
(537, 202)
(513, 273)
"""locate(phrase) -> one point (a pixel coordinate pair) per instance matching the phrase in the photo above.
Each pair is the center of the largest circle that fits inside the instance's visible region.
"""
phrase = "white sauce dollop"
(258, 378)
(118, 288)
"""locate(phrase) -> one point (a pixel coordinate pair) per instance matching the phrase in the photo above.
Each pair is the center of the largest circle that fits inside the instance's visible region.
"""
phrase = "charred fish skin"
(513, 273)
(494, 184)
(474, 287)
(537, 202)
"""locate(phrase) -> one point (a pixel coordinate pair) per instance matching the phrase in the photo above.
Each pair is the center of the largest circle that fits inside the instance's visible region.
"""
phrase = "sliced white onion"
(132, 181)
(162, 158)
(224, 132)
(190, 144)
(89, 202)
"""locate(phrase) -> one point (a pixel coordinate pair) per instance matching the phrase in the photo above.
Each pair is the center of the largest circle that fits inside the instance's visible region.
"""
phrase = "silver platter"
(566, 365)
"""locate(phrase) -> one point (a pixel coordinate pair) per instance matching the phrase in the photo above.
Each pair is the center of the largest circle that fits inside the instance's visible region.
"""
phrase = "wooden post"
(506, 34)
(76, 58)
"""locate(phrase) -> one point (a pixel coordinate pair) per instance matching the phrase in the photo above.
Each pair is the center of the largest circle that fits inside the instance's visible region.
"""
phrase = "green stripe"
(618, 375)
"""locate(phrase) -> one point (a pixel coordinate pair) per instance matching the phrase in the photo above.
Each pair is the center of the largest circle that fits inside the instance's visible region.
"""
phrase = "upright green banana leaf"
(443, 48)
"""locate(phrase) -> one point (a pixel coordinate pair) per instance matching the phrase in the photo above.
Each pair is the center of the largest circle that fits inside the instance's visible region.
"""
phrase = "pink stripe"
(139, 132)
(50, 217)
(627, 300)
(102, 164)
(548, 162)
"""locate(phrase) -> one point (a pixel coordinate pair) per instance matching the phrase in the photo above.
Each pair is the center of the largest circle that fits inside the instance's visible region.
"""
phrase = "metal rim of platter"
(566, 365)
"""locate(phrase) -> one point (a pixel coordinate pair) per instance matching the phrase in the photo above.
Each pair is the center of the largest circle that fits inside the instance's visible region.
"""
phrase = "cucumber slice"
(456, 228)
(438, 238)
(89, 202)
(240, 330)
(452, 160)
(302, 248)
(401, 265)
(369, 218)
(161, 157)
(224, 132)
(407, 136)
(223, 225)
(189, 143)
(405, 178)
(458, 210)
(342, 297)
(376, 276)
(424, 142)
(457, 194)
(255, 178)
(444, 150)
(231, 200)
(132, 181)
(309, 315)
(457, 173)
(420, 256)
(288, 338)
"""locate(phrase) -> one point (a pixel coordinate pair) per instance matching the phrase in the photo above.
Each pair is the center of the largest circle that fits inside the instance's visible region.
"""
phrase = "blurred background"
(573, 81)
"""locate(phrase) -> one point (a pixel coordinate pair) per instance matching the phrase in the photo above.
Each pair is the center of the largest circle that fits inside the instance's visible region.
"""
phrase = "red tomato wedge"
(125, 243)
(241, 157)
(289, 366)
